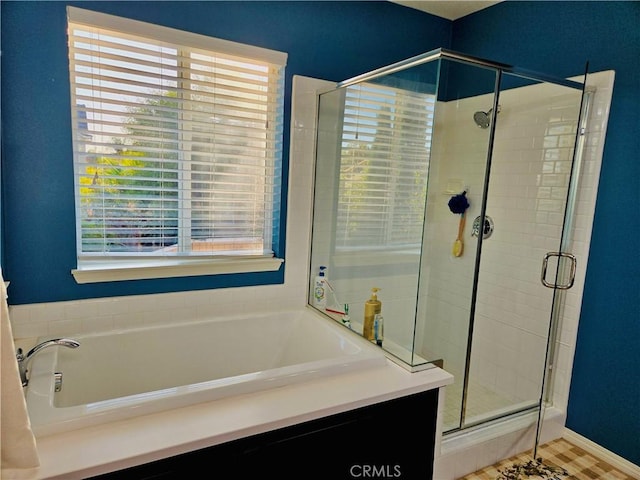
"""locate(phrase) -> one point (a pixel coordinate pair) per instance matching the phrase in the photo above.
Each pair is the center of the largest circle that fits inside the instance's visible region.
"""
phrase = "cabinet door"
(393, 439)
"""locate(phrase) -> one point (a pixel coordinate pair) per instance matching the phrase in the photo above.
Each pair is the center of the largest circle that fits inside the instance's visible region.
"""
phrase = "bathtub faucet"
(23, 359)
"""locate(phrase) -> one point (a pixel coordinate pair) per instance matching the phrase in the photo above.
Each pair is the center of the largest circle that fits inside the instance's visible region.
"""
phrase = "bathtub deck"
(114, 446)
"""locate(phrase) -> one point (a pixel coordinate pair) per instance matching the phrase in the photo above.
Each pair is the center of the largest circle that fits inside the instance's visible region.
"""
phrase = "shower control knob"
(487, 228)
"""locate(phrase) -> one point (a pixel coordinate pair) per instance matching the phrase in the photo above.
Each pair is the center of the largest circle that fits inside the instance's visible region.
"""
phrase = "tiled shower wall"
(527, 195)
(528, 183)
(531, 163)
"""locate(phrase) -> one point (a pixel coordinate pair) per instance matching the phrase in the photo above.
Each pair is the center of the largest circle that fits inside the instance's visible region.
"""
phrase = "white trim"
(602, 453)
(459, 441)
(103, 20)
(177, 269)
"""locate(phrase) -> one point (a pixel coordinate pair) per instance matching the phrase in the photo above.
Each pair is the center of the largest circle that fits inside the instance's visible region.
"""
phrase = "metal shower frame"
(566, 237)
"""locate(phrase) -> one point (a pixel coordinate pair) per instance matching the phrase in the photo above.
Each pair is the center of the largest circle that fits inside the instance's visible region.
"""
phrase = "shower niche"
(393, 147)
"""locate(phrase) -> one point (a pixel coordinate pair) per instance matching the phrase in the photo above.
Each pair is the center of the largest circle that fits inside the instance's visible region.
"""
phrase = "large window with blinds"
(386, 142)
(177, 143)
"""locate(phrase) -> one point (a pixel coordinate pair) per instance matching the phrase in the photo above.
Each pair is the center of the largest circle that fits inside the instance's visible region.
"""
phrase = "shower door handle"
(572, 273)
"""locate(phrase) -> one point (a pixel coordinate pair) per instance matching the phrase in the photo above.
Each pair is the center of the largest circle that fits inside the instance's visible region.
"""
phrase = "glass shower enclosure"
(445, 181)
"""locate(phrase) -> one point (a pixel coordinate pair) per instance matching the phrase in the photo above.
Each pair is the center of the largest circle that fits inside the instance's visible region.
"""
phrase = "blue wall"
(558, 38)
(328, 40)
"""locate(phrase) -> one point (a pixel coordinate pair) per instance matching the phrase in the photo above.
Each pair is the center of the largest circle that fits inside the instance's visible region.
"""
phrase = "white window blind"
(177, 141)
(386, 141)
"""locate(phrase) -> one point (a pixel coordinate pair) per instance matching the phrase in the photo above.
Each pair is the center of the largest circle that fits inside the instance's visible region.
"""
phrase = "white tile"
(444, 468)
(104, 323)
(20, 314)
(80, 309)
(29, 330)
(126, 320)
(71, 326)
(467, 462)
(49, 312)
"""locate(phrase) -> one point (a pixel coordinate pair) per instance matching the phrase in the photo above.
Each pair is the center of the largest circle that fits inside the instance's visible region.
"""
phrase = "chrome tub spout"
(23, 360)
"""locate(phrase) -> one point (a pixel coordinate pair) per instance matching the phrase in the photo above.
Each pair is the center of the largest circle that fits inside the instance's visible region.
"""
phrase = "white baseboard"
(611, 458)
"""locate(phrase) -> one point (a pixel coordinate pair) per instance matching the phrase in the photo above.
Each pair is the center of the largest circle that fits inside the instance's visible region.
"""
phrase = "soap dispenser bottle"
(320, 289)
(372, 307)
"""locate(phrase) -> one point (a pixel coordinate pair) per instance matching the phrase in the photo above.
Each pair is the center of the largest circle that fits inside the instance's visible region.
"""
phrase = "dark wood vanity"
(392, 439)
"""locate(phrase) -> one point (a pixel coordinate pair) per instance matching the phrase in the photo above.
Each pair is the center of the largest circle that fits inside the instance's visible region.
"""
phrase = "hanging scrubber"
(458, 204)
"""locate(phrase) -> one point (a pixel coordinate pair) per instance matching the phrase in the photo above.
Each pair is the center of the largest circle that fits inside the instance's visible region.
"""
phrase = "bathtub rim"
(47, 419)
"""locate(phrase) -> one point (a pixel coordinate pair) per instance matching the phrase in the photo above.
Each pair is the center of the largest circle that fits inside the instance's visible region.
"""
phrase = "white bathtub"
(129, 373)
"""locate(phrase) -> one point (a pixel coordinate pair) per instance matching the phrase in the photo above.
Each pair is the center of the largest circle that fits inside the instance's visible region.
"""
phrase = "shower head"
(483, 119)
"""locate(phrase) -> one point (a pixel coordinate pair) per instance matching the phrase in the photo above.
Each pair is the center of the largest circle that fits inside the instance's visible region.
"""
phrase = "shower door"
(522, 268)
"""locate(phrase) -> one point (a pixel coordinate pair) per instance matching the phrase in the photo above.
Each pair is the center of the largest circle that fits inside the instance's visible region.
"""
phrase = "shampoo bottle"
(346, 318)
(320, 289)
(372, 307)
(378, 329)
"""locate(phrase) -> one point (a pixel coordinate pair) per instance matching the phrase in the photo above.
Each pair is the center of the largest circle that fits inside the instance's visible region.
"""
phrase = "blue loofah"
(459, 203)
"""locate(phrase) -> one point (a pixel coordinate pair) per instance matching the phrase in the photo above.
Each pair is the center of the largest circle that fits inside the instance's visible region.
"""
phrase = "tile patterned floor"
(577, 464)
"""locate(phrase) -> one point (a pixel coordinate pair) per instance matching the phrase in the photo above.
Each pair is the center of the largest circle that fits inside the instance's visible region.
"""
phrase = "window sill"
(104, 272)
